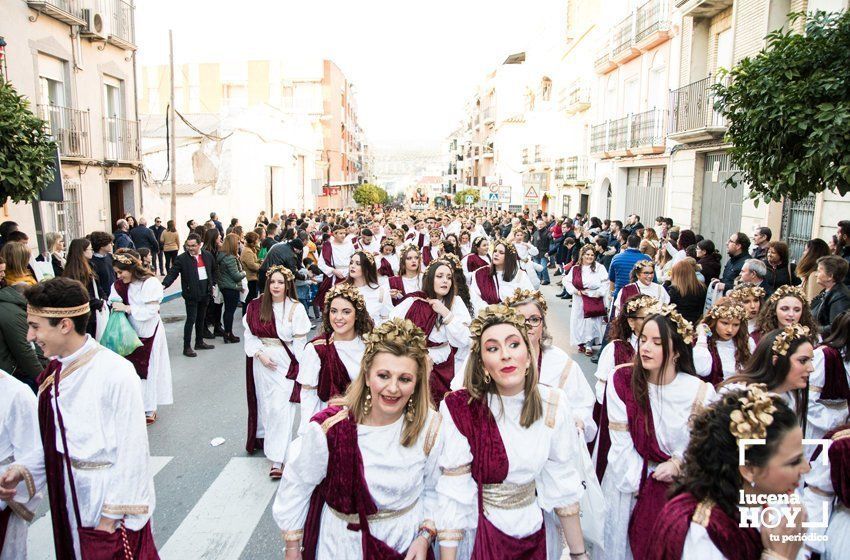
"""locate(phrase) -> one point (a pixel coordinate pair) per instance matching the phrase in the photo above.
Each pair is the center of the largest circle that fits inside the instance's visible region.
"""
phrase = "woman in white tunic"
(478, 256)
(649, 405)
(276, 328)
(829, 382)
(525, 251)
(493, 284)
(138, 293)
(364, 276)
(444, 318)
(588, 283)
(510, 452)
(370, 459)
(388, 259)
(20, 453)
(409, 281)
(750, 297)
(723, 343)
(703, 519)
(331, 360)
(641, 283)
(822, 495)
(465, 243)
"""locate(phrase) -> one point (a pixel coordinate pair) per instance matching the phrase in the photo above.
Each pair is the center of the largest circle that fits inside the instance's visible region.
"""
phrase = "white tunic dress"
(378, 302)
(341, 254)
(653, 290)
(587, 330)
(397, 477)
(101, 405)
(557, 369)
(823, 502)
(145, 297)
(456, 333)
(275, 414)
(350, 352)
(20, 448)
(525, 252)
(605, 366)
(464, 262)
(545, 454)
(505, 289)
(726, 352)
(672, 405)
(823, 415)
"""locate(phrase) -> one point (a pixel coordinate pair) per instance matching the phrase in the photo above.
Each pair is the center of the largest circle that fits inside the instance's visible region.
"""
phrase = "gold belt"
(7, 461)
(382, 515)
(90, 465)
(509, 496)
(271, 341)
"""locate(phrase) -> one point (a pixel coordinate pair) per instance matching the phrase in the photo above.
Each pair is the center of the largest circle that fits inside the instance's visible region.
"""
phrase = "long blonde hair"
(398, 337)
(474, 380)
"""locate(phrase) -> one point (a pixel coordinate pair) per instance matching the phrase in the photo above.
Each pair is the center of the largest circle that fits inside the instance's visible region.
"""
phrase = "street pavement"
(214, 503)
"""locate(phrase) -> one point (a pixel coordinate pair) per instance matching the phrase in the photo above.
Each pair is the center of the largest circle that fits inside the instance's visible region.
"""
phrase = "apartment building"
(75, 61)
(718, 34)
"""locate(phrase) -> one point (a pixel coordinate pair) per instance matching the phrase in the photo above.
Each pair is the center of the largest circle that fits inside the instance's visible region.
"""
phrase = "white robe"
(378, 302)
(823, 415)
(20, 448)
(350, 352)
(456, 333)
(605, 366)
(557, 369)
(397, 477)
(341, 254)
(412, 283)
(838, 531)
(525, 252)
(587, 330)
(505, 289)
(672, 405)
(545, 453)
(101, 405)
(726, 353)
(392, 259)
(465, 266)
(145, 297)
(275, 414)
(654, 290)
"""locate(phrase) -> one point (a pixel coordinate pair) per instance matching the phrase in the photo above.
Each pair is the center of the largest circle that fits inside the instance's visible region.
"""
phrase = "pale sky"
(413, 64)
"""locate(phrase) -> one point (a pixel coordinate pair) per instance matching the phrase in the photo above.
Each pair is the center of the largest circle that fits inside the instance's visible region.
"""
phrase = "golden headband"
(643, 263)
(640, 302)
(787, 291)
(683, 326)
(495, 314)
(727, 311)
(397, 330)
(521, 296)
(509, 247)
(746, 291)
(388, 241)
(409, 247)
(445, 260)
(287, 274)
(348, 292)
(58, 312)
(369, 256)
(755, 414)
(788, 335)
(123, 259)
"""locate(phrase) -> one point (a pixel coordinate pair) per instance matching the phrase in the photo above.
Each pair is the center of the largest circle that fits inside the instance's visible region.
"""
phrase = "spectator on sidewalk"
(835, 298)
(755, 272)
(287, 254)
(217, 224)
(686, 292)
(623, 263)
(18, 272)
(143, 237)
(55, 253)
(159, 257)
(101, 262)
(780, 271)
(17, 356)
(761, 241)
(807, 266)
(6, 228)
(737, 248)
(121, 235)
(541, 239)
(843, 245)
(170, 244)
(708, 258)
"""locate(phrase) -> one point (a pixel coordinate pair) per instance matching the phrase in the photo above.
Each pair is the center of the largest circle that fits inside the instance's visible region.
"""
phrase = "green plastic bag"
(119, 335)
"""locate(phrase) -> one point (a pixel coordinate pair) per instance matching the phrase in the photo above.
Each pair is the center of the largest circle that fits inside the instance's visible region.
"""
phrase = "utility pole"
(172, 141)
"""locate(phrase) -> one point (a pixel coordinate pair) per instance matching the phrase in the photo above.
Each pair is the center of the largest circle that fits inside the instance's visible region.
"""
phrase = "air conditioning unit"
(95, 24)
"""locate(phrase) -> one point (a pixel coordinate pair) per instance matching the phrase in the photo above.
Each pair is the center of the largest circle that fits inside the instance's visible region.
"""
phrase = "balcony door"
(724, 50)
(113, 116)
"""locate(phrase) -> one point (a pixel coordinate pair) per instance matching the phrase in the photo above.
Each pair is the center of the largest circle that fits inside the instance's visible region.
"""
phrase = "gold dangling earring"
(486, 377)
(367, 405)
(411, 410)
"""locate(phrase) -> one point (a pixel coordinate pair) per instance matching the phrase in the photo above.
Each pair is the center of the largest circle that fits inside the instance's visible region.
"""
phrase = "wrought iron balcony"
(692, 114)
(644, 28)
(577, 169)
(120, 139)
(66, 11)
(640, 133)
(603, 62)
(69, 128)
(121, 30)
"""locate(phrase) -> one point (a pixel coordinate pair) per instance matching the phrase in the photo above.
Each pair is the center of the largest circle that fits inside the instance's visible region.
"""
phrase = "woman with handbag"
(587, 282)
(229, 276)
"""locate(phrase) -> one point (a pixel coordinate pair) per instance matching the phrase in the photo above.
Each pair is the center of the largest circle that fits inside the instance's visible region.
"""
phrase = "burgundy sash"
(490, 466)
(674, 521)
(264, 330)
(651, 495)
(839, 463)
(715, 376)
(474, 262)
(94, 544)
(4, 523)
(426, 255)
(628, 292)
(423, 316)
(592, 306)
(835, 385)
(487, 285)
(345, 490)
(329, 280)
(756, 336)
(333, 377)
(386, 269)
(141, 356)
(623, 354)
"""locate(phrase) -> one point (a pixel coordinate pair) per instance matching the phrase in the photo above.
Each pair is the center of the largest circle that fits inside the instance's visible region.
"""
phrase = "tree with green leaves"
(26, 149)
(368, 195)
(460, 196)
(789, 111)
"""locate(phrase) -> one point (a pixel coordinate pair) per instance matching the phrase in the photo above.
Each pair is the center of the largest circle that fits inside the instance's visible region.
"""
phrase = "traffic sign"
(469, 199)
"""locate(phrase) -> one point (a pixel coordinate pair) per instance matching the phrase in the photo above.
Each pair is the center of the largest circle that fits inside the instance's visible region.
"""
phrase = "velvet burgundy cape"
(329, 280)
(839, 462)
(345, 490)
(94, 544)
(835, 385)
(386, 269)
(264, 330)
(141, 356)
(487, 286)
(333, 377)
(397, 283)
(475, 421)
(756, 336)
(674, 521)
(592, 306)
(624, 353)
(423, 316)
(4, 524)
(626, 293)
(474, 262)
(715, 376)
(651, 495)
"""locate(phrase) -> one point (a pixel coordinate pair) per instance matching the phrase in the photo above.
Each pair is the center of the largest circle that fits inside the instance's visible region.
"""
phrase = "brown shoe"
(189, 353)
(204, 346)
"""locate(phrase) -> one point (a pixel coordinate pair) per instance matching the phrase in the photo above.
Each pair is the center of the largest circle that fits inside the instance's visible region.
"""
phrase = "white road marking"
(222, 521)
(40, 534)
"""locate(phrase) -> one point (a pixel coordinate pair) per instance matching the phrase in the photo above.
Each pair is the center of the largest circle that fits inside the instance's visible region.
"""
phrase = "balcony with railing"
(636, 134)
(70, 129)
(692, 114)
(120, 139)
(577, 170)
(488, 115)
(602, 63)
(702, 8)
(576, 98)
(644, 28)
(623, 41)
(653, 25)
(121, 31)
(66, 11)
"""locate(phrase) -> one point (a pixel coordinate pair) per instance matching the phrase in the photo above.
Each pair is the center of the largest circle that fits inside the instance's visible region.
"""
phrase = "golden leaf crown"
(643, 263)
(449, 259)
(123, 259)
(786, 291)
(521, 296)
(727, 311)
(683, 326)
(388, 241)
(397, 330)
(509, 247)
(409, 247)
(348, 292)
(496, 314)
(287, 274)
(788, 335)
(755, 414)
(746, 291)
(369, 256)
(640, 302)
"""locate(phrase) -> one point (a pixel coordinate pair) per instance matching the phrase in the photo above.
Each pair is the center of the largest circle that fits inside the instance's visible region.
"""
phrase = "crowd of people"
(407, 393)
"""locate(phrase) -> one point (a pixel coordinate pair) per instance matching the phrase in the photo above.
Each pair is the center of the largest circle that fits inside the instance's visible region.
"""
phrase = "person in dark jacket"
(121, 235)
(17, 356)
(780, 271)
(196, 269)
(686, 292)
(737, 248)
(101, 262)
(143, 237)
(286, 254)
(541, 239)
(214, 219)
(708, 258)
(844, 239)
(835, 297)
(159, 258)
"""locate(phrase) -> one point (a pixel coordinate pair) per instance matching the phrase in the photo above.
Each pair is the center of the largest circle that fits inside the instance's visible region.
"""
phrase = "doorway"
(120, 199)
